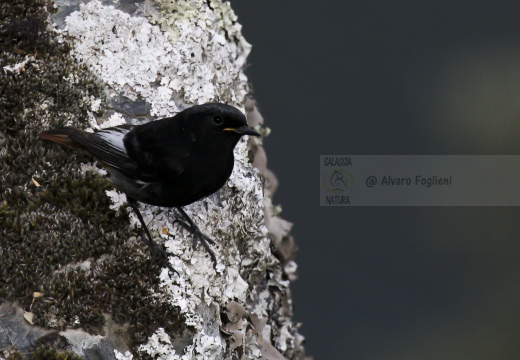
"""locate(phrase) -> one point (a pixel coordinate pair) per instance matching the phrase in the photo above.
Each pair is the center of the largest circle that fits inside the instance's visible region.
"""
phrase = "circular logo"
(337, 181)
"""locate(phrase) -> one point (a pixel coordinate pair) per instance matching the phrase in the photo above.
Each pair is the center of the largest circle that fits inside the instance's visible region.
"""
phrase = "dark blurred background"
(399, 77)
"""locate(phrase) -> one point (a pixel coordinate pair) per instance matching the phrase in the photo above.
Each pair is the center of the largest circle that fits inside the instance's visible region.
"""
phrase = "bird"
(170, 162)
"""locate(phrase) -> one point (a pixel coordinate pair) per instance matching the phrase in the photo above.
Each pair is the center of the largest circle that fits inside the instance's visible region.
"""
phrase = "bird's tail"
(62, 136)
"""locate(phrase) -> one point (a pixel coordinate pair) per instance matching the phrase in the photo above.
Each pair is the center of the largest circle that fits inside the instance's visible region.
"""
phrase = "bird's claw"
(158, 255)
(197, 236)
(154, 249)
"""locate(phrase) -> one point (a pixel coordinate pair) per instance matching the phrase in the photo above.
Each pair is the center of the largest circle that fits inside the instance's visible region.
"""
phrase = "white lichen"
(159, 346)
(186, 56)
(178, 54)
(18, 67)
(117, 198)
(114, 120)
(126, 356)
(79, 340)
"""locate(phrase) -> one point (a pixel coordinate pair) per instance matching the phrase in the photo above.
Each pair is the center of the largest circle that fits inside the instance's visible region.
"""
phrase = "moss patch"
(52, 216)
(44, 353)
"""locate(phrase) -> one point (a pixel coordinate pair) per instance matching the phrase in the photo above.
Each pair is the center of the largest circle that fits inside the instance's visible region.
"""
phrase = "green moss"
(67, 218)
(44, 353)
(48, 353)
(24, 27)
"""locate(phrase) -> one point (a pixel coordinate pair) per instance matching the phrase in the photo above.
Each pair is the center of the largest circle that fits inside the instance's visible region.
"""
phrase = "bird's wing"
(107, 145)
(153, 152)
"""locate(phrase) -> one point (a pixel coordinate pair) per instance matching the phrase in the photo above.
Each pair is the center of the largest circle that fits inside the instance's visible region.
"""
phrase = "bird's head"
(217, 123)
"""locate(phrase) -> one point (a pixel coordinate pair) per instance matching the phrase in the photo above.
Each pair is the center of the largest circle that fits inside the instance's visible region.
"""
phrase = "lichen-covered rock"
(70, 237)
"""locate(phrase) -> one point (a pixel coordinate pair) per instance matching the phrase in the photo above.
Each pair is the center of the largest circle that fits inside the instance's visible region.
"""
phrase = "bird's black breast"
(159, 149)
(175, 167)
(198, 180)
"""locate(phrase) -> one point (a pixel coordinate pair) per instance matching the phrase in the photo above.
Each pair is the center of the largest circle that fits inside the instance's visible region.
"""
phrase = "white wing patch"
(113, 138)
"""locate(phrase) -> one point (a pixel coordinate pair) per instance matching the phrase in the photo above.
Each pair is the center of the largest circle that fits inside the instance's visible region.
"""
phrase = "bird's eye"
(218, 120)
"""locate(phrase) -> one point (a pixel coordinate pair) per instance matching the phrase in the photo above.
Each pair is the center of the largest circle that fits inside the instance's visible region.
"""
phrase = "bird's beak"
(244, 130)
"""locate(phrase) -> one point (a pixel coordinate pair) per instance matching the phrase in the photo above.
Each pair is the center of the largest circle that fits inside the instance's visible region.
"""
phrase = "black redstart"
(170, 162)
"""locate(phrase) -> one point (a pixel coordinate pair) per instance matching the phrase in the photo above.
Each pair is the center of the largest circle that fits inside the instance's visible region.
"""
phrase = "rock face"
(73, 273)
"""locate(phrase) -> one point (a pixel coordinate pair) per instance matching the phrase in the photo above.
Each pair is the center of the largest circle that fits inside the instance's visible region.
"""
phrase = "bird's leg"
(153, 246)
(189, 225)
(151, 243)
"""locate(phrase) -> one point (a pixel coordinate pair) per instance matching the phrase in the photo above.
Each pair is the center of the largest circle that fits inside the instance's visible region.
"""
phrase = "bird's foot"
(158, 255)
(197, 235)
(155, 251)
(204, 240)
